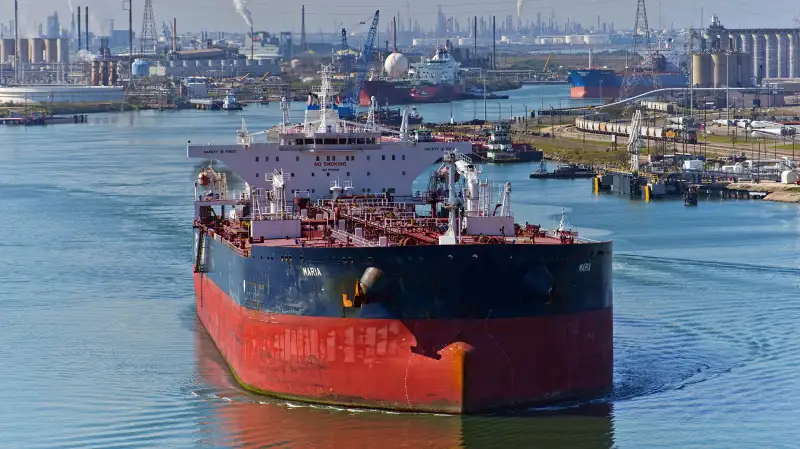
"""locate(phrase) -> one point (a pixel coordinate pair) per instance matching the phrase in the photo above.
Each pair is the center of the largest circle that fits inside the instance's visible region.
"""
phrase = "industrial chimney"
(86, 18)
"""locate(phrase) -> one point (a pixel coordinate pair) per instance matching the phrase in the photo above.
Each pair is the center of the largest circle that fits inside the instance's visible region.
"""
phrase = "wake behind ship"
(329, 280)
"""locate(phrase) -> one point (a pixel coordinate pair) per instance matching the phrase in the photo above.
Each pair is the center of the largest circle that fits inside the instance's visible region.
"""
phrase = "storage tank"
(720, 68)
(114, 73)
(63, 50)
(36, 50)
(24, 51)
(140, 68)
(745, 63)
(701, 70)
(51, 51)
(396, 65)
(105, 73)
(96, 73)
(6, 50)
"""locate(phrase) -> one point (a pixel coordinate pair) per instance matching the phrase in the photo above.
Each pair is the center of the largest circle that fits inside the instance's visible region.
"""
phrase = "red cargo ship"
(433, 80)
(348, 295)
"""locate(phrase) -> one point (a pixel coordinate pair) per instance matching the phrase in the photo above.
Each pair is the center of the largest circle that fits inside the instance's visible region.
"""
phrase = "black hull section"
(417, 282)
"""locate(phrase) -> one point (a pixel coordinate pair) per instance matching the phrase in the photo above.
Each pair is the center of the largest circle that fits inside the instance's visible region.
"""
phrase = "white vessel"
(440, 69)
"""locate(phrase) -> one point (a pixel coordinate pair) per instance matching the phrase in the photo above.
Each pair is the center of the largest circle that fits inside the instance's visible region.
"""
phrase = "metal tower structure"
(149, 35)
(635, 140)
(642, 44)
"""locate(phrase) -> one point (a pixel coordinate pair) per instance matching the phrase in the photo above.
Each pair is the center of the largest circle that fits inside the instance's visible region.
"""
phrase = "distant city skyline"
(268, 15)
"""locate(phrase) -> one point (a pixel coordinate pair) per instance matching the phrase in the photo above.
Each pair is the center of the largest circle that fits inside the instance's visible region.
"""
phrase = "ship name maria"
(311, 271)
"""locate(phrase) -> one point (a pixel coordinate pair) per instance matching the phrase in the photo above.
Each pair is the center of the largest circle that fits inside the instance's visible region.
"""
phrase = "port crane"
(351, 98)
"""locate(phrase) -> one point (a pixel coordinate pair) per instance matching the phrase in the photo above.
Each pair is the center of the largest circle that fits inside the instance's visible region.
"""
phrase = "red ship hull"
(477, 364)
(398, 93)
(599, 92)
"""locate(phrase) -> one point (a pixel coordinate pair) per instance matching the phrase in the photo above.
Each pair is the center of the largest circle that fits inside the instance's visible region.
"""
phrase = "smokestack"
(475, 37)
(174, 34)
(86, 18)
(394, 34)
(303, 28)
(16, 42)
(80, 33)
(252, 43)
(494, 46)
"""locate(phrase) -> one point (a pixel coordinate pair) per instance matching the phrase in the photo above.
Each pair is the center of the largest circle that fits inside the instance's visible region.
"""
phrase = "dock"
(674, 185)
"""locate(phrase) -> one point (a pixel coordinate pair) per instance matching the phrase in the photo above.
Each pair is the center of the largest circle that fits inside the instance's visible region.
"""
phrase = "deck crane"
(351, 98)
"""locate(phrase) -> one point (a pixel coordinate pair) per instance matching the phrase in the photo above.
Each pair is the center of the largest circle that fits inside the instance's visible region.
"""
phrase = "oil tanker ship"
(329, 280)
(433, 80)
(607, 83)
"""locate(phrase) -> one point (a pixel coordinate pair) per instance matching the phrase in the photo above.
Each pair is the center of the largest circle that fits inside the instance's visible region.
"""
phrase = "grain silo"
(720, 69)
(702, 70)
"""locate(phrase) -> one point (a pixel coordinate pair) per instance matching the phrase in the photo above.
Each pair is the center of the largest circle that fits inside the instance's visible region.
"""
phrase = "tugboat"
(690, 196)
(230, 103)
(500, 149)
(565, 171)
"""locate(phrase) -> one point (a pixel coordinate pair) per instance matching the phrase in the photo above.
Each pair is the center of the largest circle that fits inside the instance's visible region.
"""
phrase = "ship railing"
(240, 195)
(283, 213)
(351, 239)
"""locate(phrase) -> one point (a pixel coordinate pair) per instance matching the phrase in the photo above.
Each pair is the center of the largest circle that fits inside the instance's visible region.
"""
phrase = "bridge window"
(360, 141)
(328, 158)
(330, 141)
(333, 158)
(317, 158)
(342, 141)
(299, 141)
(309, 141)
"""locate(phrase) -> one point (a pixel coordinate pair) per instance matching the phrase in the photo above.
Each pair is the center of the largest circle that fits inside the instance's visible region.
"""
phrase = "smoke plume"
(519, 8)
(71, 8)
(241, 8)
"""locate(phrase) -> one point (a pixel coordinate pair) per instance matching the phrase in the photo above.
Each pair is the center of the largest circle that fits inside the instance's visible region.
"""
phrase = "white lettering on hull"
(311, 271)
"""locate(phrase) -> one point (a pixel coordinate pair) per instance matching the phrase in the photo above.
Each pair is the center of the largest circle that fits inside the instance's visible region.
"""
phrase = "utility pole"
(128, 6)
(494, 46)
(16, 41)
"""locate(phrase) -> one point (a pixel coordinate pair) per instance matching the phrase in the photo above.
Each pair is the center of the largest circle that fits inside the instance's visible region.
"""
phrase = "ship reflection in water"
(241, 419)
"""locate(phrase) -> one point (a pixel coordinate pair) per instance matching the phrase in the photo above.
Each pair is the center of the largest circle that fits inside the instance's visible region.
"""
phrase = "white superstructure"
(441, 68)
(324, 152)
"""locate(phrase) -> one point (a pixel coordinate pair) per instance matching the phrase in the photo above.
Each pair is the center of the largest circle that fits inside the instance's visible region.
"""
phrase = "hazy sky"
(275, 15)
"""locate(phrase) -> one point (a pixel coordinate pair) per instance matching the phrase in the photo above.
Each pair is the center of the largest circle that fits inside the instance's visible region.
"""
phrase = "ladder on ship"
(198, 261)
